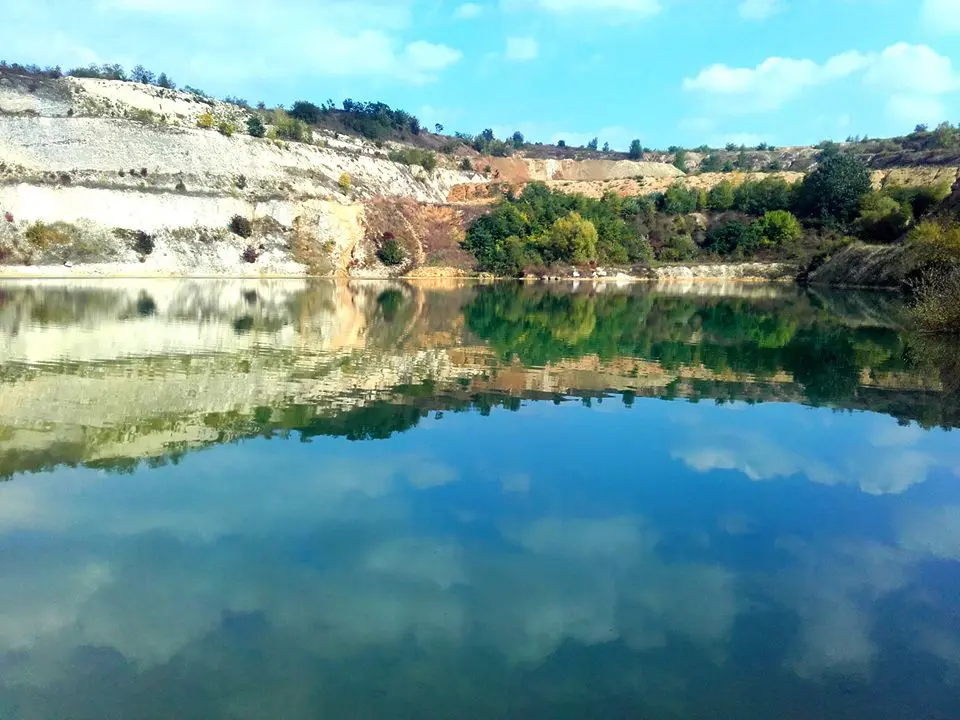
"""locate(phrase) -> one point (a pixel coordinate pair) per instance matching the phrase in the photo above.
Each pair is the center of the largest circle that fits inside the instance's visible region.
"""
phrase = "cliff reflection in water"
(111, 373)
(526, 527)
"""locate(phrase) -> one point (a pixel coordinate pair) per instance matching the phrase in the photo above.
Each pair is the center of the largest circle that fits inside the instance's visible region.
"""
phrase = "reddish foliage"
(250, 255)
(8, 216)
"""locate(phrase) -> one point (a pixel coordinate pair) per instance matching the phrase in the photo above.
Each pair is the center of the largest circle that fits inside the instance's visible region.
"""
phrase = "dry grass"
(937, 306)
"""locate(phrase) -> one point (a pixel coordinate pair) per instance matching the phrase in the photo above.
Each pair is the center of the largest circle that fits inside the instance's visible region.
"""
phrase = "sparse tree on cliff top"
(636, 150)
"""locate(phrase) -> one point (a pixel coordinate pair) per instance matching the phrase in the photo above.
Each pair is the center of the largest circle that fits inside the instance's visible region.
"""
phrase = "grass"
(937, 305)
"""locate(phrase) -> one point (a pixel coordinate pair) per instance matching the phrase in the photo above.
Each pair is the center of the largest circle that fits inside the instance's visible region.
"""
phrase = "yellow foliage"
(205, 121)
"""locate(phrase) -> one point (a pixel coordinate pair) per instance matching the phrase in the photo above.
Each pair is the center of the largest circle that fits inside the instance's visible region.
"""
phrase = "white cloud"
(521, 49)
(468, 11)
(941, 16)
(915, 70)
(758, 9)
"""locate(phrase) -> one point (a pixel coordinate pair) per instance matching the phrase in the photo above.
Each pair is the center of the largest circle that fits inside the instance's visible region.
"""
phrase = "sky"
(669, 72)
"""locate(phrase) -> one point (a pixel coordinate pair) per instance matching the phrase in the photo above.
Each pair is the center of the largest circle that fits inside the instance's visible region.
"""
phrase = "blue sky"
(667, 71)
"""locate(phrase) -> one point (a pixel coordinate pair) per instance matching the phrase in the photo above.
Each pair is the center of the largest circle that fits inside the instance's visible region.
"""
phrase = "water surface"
(246, 499)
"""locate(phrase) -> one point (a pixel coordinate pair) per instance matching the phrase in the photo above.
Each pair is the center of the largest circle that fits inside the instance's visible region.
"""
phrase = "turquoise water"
(288, 500)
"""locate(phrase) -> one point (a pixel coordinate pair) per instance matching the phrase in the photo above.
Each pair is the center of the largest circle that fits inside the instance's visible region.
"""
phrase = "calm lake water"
(247, 499)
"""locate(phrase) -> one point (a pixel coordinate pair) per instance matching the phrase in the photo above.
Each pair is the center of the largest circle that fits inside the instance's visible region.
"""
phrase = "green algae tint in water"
(290, 500)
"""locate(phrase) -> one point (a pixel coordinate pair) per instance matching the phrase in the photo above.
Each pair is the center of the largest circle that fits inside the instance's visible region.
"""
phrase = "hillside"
(138, 179)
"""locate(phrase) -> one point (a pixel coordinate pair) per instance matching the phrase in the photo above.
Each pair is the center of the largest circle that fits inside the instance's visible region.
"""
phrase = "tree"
(726, 239)
(678, 200)
(921, 128)
(439, 128)
(712, 163)
(834, 191)
(721, 197)
(561, 143)
(883, 219)
(141, 75)
(777, 227)
(306, 111)
(573, 239)
(255, 126)
(517, 140)
(678, 248)
(391, 252)
(165, 82)
(680, 159)
(636, 150)
(606, 147)
(593, 144)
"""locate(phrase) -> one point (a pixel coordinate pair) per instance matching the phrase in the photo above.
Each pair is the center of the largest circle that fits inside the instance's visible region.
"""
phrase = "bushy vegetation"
(540, 227)
(391, 252)
(937, 303)
(414, 156)
(344, 183)
(287, 127)
(256, 127)
(239, 225)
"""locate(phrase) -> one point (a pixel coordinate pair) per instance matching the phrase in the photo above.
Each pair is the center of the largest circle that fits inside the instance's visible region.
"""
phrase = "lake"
(285, 499)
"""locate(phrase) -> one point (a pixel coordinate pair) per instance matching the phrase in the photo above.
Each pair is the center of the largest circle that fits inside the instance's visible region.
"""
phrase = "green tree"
(678, 200)
(255, 126)
(306, 111)
(165, 82)
(758, 197)
(593, 144)
(834, 192)
(439, 128)
(777, 227)
(721, 196)
(883, 219)
(606, 147)
(517, 140)
(391, 252)
(712, 163)
(727, 239)
(573, 239)
(636, 150)
(679, 247)
(680, 159)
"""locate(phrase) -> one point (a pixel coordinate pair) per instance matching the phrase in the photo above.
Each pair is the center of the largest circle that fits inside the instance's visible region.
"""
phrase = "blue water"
(613, 554)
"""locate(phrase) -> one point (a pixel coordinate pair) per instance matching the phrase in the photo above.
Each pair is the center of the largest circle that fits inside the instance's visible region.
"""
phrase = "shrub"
(936, 242)
(883, 219)
(762, 196)
(255, 127)
(680, 159)
(727, 239)
(834, 191)
(679, 248)
(391, 252)
(721, 197)
(290, 128)
(250, 254)
(466, 165)
(205, 121)
(144, 243)
(239, 225)
(8, 216)
(226, 129)
(937, 305)
(636, 150)
(570, 239)
(777, 227)
(344, 183)
(42, 236)
(678, 200)
(414, 156)
(306, 111)
(921, 198)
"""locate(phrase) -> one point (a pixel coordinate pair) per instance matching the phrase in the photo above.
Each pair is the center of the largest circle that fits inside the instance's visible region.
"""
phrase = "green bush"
(391, 252)
(729, 238)
(414, 156)
(466, 165)
(290, 128)
(777, 227)
(570, 239)
(720, 198)
(834, 192)
(762, 196)
(344, 183)
(226, 129)
(936, 242)
(678, 200)
(255, 127)
(679, 248)
(883, 219)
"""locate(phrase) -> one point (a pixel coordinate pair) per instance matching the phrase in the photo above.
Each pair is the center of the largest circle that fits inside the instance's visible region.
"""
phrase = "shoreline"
(741, 273)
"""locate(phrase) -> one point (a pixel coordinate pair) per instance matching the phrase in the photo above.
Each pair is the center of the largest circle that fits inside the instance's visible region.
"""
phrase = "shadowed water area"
(252, 499)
